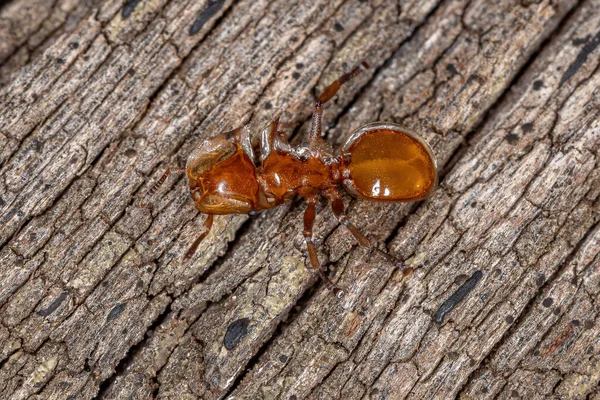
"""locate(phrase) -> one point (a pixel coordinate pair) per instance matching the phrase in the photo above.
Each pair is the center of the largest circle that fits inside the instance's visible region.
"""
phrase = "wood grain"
(99, 98)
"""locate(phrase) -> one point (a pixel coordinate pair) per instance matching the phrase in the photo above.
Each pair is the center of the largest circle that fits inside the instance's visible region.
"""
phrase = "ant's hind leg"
(309, 219)
(207, 225)
(153, 189)
(328, 93)
(337, 207)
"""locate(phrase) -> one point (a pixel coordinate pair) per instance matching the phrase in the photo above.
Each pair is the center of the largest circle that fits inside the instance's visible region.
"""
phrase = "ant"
(379, 161)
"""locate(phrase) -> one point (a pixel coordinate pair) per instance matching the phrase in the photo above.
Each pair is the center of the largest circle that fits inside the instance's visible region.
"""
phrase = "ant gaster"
(379, 161)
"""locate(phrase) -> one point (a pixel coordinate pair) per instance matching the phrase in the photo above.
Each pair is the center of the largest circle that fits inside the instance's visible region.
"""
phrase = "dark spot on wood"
(128, 8)
(37, 145)
(124, 331)
(115, 312)
(538, 84)
(452, 69)
(548, 301)
(213, 7)
(55, 304)
(60, 61)
(557, 311)
(581, 58)
(293, 397)
(105, 283)
(294, 39)
(536, 353)
(472, 363)
(235, 332)
(73, 45)
(540, 280)
(527, 127)
(295, 75)
(87, 367)
(589, 324)
(511, 138)
(453, 355)
(514, 393)
(131, 72)
(2, 202)
(130, 153)
(338, 27)
(527, 3)
(484, 389)
(283, 358)
(268, 105)
(509, 319)
(580, 41)
(299, 65)
(575, 322)
(457, 297)
(574, 281)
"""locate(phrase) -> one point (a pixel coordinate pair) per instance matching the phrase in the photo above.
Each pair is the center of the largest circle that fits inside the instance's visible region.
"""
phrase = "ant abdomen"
(386, 162)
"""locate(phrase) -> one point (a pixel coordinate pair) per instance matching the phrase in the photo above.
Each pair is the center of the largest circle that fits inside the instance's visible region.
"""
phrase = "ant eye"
(383, 161)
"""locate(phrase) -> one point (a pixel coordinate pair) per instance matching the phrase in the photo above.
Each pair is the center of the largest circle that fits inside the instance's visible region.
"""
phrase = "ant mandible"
(379, 161)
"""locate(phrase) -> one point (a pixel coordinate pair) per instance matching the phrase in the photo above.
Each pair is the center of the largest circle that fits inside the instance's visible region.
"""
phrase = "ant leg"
(337, 206)
(309, 219)
(207, 225)
(328, 93)
(153, 189)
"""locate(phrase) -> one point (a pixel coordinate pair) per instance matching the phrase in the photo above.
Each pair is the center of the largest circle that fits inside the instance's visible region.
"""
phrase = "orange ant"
(379, 161)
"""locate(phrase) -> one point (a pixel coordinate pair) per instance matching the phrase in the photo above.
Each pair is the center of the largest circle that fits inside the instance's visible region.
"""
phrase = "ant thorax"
(226, 175)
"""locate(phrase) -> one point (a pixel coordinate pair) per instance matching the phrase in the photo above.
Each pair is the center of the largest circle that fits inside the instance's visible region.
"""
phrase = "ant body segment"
(379, 161)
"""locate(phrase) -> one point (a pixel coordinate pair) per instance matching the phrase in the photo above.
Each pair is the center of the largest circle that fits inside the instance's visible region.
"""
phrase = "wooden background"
(98, 97)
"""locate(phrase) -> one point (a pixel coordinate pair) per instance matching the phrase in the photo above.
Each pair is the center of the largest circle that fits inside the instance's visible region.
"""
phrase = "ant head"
(384, 161)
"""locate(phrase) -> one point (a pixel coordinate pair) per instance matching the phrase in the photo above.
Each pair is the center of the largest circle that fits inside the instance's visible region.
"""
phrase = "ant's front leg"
(309, 219)
(337, 206)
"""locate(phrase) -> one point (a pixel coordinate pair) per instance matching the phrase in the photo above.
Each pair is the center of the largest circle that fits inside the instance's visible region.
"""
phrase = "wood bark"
(97, 99)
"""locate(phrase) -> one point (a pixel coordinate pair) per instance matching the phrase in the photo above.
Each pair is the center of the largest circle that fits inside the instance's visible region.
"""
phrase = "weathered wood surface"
(94, 302)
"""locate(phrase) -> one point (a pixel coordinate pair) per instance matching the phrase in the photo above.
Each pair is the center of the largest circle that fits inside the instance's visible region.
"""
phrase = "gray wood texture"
(98, 98)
